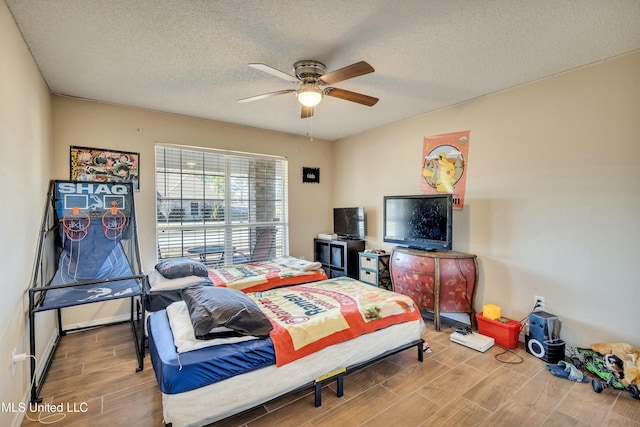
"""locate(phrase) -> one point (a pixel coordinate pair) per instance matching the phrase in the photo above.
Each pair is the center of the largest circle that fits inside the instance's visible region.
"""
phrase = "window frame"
(205, 236)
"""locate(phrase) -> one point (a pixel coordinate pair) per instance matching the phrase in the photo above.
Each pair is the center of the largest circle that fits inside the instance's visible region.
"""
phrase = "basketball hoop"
(76, 224)
(113, 222)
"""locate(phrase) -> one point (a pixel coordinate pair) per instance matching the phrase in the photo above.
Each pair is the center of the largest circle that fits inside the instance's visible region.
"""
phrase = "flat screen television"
(420, 222)
(349, 223)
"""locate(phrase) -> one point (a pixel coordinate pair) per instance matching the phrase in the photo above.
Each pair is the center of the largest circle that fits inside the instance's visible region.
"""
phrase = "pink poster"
(444, 164)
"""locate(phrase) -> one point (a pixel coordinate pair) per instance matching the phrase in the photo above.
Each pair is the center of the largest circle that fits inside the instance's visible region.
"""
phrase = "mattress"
(180, 372)
(246, 374)
(225, 398)
(262, 276)
(251, 277)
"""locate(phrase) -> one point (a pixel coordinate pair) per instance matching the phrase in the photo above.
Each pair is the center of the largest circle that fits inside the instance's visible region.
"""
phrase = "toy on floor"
(615, 365)
(623, 360)
(567, 370)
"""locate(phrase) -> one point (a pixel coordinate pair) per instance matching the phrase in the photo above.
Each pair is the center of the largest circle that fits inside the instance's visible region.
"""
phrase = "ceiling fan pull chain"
(310, 129)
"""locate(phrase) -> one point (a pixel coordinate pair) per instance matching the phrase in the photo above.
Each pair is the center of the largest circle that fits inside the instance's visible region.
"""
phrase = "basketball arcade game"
(87, 253)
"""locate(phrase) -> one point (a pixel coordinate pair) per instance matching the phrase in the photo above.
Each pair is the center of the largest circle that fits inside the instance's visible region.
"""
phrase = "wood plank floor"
(93, 376)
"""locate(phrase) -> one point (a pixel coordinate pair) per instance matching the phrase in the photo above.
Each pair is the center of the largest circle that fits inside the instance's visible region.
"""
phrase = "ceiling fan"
(314, 83)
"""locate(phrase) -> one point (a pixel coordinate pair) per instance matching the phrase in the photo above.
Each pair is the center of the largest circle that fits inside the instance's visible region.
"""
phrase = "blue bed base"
(177, 373)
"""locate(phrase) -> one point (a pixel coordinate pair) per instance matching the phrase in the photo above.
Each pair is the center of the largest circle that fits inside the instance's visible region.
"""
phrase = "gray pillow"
(218, 312)
(181, 267)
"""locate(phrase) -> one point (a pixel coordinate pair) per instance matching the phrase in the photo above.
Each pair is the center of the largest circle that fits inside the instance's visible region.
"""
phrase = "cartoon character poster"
(95, 164)
(444, 162)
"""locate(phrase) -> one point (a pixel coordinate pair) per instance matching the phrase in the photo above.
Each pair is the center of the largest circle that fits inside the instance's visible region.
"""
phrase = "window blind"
(220, 207)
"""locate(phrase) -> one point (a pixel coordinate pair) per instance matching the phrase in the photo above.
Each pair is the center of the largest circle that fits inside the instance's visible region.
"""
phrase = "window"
(220, 207)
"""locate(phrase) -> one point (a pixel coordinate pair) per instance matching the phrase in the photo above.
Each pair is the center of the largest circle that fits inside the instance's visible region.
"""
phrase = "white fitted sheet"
(234, 395)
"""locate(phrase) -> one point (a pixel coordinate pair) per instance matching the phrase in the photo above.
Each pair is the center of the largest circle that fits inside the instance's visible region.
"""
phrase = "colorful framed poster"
(96, 164)
(444, 163)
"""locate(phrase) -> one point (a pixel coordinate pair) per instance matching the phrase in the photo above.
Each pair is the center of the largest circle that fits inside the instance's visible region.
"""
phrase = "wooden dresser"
(438, 281)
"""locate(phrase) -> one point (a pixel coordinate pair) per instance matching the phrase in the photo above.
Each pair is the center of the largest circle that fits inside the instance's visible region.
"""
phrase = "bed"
(247, 277)
(87, 253)
(359, 324)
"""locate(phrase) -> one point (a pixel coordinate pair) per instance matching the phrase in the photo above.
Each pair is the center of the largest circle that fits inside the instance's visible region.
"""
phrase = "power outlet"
(539, 301)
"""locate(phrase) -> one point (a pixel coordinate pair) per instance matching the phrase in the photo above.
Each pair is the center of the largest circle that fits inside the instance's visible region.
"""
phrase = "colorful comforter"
(307, 318)
(262, 276)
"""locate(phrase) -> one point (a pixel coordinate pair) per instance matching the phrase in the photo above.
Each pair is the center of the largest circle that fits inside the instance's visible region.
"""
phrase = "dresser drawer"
(369, 262)
(407, 261)
(407, 279)
(420, 287)
(369, 277)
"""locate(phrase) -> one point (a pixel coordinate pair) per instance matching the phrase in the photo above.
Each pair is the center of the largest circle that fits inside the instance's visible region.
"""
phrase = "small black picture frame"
(310, 175)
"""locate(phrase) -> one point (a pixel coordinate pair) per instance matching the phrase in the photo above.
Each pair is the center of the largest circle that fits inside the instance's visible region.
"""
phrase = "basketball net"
(113, 222)
(76, 224)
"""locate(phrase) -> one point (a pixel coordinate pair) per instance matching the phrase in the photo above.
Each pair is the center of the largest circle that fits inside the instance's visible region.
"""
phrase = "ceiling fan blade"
(306, 113)
(274, 72)
(348, 72)
(369, 101)
(266, 95)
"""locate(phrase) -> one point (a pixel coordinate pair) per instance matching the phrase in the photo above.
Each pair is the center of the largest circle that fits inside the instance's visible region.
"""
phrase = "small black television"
(349, 223)
(421, 222)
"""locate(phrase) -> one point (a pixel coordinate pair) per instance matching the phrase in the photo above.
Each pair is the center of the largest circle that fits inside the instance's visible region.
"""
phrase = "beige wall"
(25, 138)
(93, 124)
(552, 197)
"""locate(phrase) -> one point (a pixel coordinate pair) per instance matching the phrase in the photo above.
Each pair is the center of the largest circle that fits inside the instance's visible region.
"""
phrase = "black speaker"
(543, 339)
(551, 351)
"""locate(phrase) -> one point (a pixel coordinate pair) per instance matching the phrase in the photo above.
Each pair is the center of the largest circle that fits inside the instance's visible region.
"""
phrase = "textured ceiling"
(190, 57)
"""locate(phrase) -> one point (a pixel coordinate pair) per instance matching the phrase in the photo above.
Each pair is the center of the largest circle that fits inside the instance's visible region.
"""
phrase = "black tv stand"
(338, 257)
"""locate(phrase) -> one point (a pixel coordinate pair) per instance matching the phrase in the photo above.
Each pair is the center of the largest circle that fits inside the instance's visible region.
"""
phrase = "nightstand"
(374, 269)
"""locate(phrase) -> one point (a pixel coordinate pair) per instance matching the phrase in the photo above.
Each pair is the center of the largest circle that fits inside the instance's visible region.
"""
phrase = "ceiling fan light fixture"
(310, 95)
(315, 83)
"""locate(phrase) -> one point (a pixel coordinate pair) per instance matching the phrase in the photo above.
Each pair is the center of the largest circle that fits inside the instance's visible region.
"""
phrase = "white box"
(327, 236)
(473, 340)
